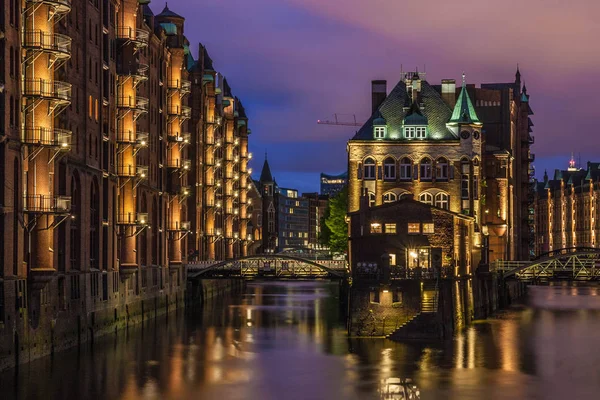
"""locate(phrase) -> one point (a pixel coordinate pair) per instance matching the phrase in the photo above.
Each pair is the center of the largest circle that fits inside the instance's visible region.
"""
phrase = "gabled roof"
(396, 107)
(464, 112)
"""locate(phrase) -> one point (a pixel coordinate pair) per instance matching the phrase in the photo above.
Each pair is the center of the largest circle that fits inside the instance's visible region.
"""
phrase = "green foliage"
(334, 229)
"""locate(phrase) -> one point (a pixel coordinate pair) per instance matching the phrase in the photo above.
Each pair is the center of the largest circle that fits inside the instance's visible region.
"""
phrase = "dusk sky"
(292, 62)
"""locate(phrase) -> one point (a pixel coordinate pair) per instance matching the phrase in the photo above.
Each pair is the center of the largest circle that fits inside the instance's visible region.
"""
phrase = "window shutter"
(451, 172)
(379, 172)
(359, 171)
(416, 171)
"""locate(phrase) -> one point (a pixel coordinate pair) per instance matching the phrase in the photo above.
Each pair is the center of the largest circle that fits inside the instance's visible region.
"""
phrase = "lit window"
(426, 169)
(428, 228)
(389, 169)
(464, 186)
(390, 228)
(406, 169)
(379, 132)
(426, 198)
(441, 201)
(392, 260)
(441, 169)
(414, 228)
(389, 197)
(291, 210)
(420, 132)
(409, 132)
(376, 227)
(369, 169)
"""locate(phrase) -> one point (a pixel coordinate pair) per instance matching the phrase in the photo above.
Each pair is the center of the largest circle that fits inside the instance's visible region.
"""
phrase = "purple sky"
(295, 61)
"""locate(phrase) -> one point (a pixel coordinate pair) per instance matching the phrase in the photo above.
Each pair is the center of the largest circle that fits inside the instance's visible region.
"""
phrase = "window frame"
(406, 170)
(375, 228)
(411, 226)
(441, 173)
(425, 169)
(423, 195)
(442, 198)
(390, 195)
(390, 228)
(409, 132)
(379, 132)
(430, 228)
(420, 132)
(369, 165)
(389, 169)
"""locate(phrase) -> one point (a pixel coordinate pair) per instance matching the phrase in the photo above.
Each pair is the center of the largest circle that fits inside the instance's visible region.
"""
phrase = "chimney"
(378, 94)
(449, 92)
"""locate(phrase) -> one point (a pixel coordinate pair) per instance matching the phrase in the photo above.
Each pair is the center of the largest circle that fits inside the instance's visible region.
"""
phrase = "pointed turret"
(464, 112)
(265, 175)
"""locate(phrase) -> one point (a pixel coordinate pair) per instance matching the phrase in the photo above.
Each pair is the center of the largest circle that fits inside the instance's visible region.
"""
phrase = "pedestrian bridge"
(569, 264)
(273, 266)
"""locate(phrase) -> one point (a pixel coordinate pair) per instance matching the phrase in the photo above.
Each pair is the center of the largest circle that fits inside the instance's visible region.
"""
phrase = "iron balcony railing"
(133, 219)
(138, 36)
(48, 89)
(179, 164)
(41, 136)
(140, 171)
(51, 42)
(60, 6)
(141, 139)
(186, 112)
(183, 226)
(180, 137)
(180, 84)
(138, 102)
(47, 204)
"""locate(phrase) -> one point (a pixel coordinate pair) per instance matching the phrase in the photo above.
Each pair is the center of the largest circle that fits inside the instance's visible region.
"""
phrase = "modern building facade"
(567, 208)
(317, 204)
(293, 220)
(121, 154)
(333, 184)
(464, 150)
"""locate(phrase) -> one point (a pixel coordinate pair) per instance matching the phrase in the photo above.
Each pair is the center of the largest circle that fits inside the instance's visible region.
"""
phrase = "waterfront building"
(293, 220)
(317, 204)
(567, 208)
(333, 184)
(465, 150)
(121, 155)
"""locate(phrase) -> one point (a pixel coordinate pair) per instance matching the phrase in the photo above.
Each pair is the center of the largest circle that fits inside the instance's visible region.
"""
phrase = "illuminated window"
(389, 169)
(406, 169)
(428, 228)
(371, 199)
(369, 169)
(379, 132)
(441, 169)
(426, 169)
(409, 132)
(390, 229)
(442, 201)
(96, 109)
(291, 210)
(389, 197)
(90, 106)
(420, 132)
(376, 227)
(414, 228)
(426, 198)
(392, 260)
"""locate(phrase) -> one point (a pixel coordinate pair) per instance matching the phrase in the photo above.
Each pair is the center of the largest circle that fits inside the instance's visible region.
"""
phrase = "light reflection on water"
(288, 341)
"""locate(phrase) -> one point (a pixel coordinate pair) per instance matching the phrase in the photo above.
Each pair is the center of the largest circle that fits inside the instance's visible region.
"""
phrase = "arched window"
(406, 169)
(426, 198)
(389, 197)
(371, 199)
(442, 201)
(441, 169)
(425, 169)
(389, 169)
(369, 169)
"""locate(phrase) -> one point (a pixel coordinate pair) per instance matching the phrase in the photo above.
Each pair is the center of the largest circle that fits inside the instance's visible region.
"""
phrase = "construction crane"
(336, 121)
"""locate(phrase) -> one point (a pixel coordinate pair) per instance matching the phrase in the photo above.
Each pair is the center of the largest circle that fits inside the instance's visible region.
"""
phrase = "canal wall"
(71, 310)
(427, 309)
(199, 291)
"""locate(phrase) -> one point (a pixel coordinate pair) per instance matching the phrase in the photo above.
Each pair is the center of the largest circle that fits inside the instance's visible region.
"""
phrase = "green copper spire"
(464, 112)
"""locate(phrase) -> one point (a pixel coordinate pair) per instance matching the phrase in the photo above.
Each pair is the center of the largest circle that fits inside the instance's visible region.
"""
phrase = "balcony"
(139, 219)
(47, 137)
(129, 171)
(137, 103)
(46, 204)
(531, 158)
(141, 73)
(183, 85)
(59, 6)
(181, 138)
(139, 37)
(46, 89)
(182, 226)
(55, 43)
(179, 164)
(141, 139)
(183, 112)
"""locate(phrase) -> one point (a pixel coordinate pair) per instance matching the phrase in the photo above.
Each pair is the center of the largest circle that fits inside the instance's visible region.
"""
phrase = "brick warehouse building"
(466, 150)
(568, 209)
(121, 154)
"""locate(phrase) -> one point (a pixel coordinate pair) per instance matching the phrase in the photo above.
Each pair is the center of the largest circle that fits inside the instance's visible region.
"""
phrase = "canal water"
(288, 341)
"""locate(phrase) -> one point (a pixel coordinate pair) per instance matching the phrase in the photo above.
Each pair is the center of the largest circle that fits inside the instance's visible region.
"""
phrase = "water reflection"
(288, 341)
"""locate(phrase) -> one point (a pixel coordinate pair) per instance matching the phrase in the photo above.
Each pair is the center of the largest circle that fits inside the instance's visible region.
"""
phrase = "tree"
(334, 229)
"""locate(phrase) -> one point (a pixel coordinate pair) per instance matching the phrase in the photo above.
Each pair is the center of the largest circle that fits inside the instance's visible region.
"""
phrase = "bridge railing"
(505, 266)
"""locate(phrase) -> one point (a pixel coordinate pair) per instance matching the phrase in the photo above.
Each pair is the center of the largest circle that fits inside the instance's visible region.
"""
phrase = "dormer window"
(415, 132)
(379, 132)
